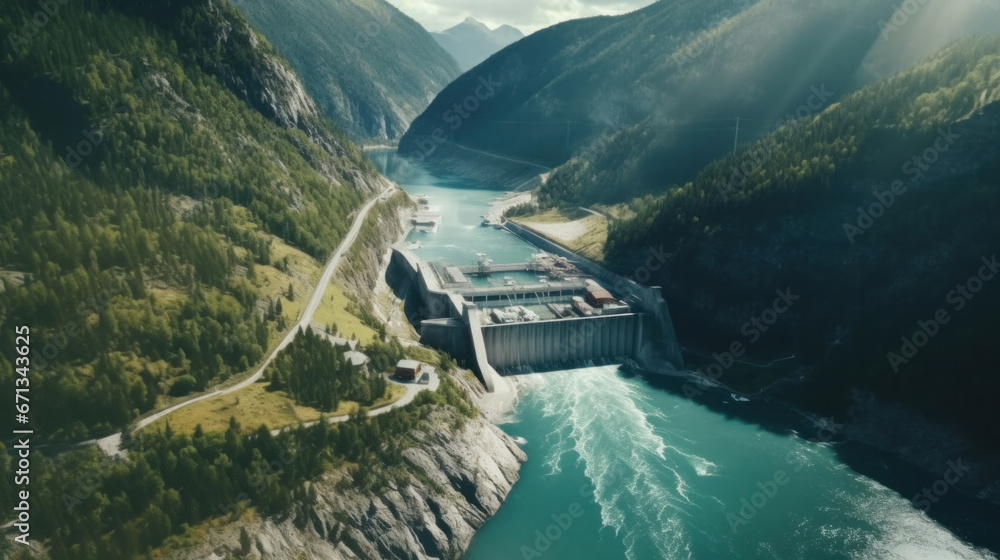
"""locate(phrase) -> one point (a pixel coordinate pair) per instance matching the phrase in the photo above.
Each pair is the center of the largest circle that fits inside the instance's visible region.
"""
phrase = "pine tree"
(246, 543)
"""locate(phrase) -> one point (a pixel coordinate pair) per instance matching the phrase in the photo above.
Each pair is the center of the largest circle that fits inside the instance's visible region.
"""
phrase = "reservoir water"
(624, 466)
(461, 235)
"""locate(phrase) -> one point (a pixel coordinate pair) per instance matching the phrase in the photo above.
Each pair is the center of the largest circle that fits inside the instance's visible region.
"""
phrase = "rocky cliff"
(217, 38)
(387, 224)
(370, 68)
(460, 478)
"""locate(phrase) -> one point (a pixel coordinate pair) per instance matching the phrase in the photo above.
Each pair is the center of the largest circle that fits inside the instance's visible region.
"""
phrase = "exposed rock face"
(224, 44)
(389, 222)
(913, 438)
(370, 68)
(278, 93)
(474, 471)
(468, 475)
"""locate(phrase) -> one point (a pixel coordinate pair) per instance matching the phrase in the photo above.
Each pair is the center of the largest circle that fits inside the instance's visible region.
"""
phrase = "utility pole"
(568, 154)
(737, 139)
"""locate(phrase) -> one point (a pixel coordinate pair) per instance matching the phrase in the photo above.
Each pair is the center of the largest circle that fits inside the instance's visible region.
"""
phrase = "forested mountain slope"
(775, 61)
(167, 184)
(150, 156)
(682, 70)
(370, 68)
(879, 215)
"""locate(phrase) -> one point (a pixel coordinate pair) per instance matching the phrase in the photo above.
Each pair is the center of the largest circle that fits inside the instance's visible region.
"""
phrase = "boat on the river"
(427, 218)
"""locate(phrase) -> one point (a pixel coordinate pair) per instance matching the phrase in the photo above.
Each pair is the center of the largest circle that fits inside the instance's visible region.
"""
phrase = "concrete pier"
(487, 374)
(450, 335)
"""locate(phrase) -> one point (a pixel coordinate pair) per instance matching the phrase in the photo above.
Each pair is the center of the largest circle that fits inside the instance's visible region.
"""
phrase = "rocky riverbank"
(502, 203)
(460, 478)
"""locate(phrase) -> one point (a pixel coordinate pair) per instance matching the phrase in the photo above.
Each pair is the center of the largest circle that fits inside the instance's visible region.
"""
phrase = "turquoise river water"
(624, 466)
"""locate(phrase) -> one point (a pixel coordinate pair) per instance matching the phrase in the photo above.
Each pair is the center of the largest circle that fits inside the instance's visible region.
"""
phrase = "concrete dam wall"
(450, 335)
(563, 341)
(436, 303)
(449, 322)
(661, 343)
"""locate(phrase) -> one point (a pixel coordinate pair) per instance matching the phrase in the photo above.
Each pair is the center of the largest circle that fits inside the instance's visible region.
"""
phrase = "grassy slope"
(256, 405)
(578, 231)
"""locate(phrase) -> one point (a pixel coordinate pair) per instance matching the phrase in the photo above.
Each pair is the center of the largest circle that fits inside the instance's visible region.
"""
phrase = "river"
(624, 466)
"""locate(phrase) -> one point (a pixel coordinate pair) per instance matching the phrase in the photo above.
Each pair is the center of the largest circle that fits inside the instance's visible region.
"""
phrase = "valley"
(701, 449)
(387, 279)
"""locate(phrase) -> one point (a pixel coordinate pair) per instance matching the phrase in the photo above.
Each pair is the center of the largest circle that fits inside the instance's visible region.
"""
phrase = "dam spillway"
(562, 341)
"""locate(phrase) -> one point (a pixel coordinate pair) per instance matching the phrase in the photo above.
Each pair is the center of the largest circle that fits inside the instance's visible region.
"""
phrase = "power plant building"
(408, 369)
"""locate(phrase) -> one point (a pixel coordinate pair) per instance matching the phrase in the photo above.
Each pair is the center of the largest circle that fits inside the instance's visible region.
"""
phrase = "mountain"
(878, 216)
(650, 97)
(370, 68)
(168, 184)
(151, 170)
(686, 68)
(664, 149)
(471, 42)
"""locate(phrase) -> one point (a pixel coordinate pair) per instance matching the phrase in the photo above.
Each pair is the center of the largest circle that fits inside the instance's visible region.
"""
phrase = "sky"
(527, 15)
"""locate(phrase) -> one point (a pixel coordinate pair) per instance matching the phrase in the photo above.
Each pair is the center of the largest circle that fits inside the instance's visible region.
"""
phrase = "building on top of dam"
(544, 288)
(553, 311)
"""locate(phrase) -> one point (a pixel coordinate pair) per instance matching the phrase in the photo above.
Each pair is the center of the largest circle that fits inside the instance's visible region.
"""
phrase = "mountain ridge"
(572, 84)
(153, 175)
(371, 68)
(472, 41)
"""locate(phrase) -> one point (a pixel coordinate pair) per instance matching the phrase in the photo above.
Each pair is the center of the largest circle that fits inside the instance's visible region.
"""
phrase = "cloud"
(527, 15)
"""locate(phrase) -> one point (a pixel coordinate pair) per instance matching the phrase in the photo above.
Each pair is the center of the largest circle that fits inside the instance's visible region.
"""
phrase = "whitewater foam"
(653, 461)
(909, 534)
(637, 477)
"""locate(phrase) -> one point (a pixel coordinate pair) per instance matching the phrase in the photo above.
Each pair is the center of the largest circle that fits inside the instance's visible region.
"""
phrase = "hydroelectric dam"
(558, 309)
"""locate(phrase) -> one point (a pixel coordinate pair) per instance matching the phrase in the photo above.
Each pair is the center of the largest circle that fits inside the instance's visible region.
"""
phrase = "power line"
(501, 157)
(736, 140)
(686, 127)
(599, 123)
(738, 121)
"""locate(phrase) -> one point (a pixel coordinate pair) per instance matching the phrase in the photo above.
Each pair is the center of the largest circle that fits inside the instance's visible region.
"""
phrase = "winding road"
(412, 390)
(111, 445)
(594, 213)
